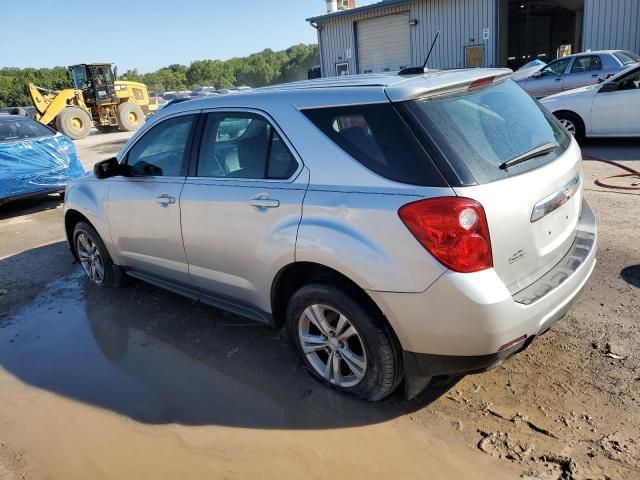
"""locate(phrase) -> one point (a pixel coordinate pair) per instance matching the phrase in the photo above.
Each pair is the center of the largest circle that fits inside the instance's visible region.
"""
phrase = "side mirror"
(537, 74)
(609, 87)
(107, 168)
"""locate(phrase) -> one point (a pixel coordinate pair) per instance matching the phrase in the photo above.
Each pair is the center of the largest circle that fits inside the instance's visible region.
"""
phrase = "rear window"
(22, 129)
(378, 138)
(481, 129)
(627, 58)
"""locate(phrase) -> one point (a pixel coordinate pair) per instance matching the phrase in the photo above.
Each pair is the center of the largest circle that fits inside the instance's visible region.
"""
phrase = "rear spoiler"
(432, 85)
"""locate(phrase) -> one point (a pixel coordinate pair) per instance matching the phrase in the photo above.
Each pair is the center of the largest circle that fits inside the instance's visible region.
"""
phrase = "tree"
(259, 69)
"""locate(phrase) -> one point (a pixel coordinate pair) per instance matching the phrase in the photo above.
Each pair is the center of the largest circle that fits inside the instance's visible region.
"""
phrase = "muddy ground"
(140, 383)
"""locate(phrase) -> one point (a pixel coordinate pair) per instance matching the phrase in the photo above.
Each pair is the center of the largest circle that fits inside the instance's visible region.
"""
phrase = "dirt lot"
(140, 383)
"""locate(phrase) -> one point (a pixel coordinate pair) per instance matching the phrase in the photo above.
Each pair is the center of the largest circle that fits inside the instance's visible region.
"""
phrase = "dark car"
(34, 159)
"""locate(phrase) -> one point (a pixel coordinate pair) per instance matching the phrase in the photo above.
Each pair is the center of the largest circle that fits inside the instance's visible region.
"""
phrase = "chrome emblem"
(556, 199)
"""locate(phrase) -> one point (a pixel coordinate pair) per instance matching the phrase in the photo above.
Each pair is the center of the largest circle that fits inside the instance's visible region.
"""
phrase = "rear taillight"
(453, 229)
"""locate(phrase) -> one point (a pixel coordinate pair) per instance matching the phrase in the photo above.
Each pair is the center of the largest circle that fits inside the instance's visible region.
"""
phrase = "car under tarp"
(37, 165)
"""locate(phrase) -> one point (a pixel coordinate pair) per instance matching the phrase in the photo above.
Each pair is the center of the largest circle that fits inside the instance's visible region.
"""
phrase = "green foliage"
(14, 81)
(256, 70)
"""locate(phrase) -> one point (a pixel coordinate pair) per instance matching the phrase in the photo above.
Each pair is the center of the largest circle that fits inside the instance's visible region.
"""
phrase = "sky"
(148, 34)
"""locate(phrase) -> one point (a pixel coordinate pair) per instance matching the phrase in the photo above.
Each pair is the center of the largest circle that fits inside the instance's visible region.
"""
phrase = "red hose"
(600, 180)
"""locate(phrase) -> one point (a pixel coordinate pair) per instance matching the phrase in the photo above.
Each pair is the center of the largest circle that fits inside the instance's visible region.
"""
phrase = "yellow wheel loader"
(97, 99)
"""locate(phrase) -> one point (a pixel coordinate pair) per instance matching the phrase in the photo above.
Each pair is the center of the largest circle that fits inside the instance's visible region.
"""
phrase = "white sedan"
(608, 109)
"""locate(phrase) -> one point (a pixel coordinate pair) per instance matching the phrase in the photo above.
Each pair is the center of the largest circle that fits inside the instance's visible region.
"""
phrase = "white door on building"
(384, 43)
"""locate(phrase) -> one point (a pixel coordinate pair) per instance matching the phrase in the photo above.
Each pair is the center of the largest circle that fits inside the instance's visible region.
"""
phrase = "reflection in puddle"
(159, 358)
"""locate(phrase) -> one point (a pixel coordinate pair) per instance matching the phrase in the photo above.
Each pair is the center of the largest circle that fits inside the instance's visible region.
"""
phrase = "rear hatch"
(496, 145)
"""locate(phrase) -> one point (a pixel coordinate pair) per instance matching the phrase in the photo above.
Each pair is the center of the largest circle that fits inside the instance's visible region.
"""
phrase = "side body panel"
(361, 236)
(144, 216)
(234, 248)
(616, 113)
(89, 197)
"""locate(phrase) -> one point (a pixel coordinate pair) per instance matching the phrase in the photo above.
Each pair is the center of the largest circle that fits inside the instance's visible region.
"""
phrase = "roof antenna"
(423, 69)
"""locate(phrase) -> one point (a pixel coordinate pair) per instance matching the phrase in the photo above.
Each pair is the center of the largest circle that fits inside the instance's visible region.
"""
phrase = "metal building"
(393, 34)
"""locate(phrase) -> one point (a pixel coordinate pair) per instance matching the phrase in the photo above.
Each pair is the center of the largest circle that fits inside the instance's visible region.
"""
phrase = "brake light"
(483, 82)
(453, 229)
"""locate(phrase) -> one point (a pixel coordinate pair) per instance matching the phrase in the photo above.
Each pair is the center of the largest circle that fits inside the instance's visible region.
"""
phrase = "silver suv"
(401, 227)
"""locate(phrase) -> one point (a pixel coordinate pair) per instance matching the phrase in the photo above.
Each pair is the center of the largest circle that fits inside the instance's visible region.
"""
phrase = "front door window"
(161, 151)
(556, 68)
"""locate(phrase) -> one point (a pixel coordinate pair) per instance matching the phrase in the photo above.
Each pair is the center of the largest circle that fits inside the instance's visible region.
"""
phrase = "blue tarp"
(38, 164)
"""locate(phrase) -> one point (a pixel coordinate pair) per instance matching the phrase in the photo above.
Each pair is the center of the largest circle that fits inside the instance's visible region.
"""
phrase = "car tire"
(368, 362)
(74, 122)
(19, 111)
(94, 257)
(572, 123)
(130, 116)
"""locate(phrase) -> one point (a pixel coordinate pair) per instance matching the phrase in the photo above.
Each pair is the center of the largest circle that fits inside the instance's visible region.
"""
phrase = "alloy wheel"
(90, 258)
(332, 345)
(569, 126)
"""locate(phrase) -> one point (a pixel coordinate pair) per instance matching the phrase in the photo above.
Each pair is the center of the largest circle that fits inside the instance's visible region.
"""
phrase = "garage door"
(384, 43)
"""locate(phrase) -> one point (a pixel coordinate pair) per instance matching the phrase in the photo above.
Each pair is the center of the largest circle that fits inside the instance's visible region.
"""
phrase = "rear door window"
(243, 146)
(377, 137)
(481, 129)
(586, 64)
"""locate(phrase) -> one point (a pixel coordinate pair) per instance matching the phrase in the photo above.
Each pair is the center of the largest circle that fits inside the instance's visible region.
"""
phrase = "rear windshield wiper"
(539, 151)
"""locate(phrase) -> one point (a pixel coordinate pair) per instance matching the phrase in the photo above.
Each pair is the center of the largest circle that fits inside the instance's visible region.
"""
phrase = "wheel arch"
(571, 112)
(582, 130)
(297, 274)
(71, 219)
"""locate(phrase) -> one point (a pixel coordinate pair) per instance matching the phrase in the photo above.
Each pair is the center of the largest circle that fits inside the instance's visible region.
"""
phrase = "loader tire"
(74, 122)
(130, 116)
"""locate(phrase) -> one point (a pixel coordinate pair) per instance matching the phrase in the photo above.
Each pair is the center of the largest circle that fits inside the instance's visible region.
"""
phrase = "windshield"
(79, 74)
(22, 129)
(485, 128)
(627, 58)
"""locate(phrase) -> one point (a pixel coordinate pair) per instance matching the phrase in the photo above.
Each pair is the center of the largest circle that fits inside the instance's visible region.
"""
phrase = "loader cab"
(96, 81)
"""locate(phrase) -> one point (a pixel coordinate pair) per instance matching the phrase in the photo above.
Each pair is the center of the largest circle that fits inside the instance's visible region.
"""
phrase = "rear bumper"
(461, 323)
(427, 365)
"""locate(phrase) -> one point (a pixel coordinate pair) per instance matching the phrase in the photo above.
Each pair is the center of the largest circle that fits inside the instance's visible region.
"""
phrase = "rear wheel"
(342, 343)
(74, 122)
(572, 123)
(94, 257)
(130, 116)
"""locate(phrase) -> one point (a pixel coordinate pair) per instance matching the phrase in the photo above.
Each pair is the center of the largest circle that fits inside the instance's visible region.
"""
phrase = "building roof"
(353, 11)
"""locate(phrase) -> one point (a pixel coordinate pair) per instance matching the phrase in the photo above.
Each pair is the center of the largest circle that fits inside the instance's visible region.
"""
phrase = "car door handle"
(263, 201)
(595, 75)
(165, 199)
(558, 79)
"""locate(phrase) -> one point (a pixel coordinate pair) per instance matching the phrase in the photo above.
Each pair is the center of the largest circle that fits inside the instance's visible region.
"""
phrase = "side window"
(376, 137)
(556, 67)
(161, 151)
(630, 82)
(243, 145)
(586, 64)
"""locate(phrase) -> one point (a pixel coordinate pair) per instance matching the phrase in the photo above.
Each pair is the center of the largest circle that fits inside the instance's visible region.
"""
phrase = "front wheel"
(343, 343)
(94, 257)
(74, 122)
(572, 123)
